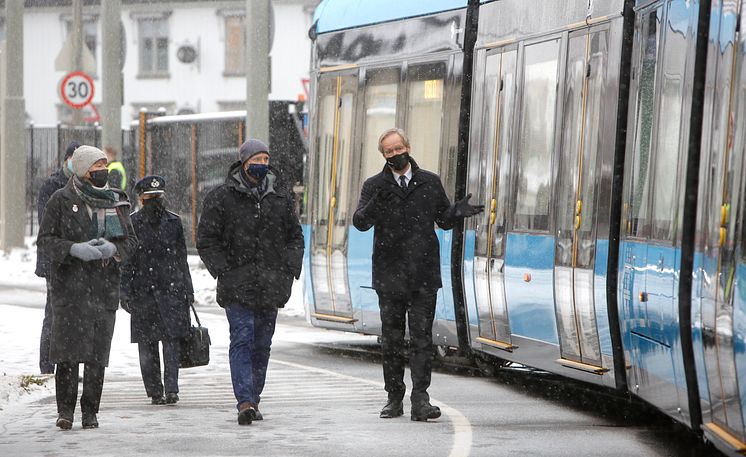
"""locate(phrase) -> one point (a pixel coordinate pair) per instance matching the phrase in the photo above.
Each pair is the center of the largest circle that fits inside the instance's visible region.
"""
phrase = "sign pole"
(77, 32)
(13, 135)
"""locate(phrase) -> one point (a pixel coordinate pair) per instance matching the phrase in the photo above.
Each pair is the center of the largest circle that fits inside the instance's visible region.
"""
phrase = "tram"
(606, 140)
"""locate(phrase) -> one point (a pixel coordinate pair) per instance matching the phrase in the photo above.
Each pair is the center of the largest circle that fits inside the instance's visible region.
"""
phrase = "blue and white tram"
(376, 65)
(608, 143)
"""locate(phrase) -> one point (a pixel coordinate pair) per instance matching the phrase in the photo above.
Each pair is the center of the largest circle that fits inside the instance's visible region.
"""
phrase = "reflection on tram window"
(381, 93)
(637, 196)
(536, 138)
(669, 141)
(425, 112)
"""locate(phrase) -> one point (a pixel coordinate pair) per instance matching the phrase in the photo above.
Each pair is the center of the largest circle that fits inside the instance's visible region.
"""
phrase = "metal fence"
(192, 152)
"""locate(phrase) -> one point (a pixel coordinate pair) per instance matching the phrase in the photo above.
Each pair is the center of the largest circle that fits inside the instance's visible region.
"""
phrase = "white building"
(153, 75)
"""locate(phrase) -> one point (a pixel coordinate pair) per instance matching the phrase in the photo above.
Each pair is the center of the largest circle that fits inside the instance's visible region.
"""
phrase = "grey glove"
(106, 248)
(85, 252)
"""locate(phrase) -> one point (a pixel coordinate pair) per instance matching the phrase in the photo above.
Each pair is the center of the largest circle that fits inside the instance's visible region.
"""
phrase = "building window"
(235, 45)
(153, 46)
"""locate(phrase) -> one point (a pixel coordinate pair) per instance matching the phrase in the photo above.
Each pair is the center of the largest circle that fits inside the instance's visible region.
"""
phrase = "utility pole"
(13, 134)
(77, 49)
(256, 63)
(111, 106)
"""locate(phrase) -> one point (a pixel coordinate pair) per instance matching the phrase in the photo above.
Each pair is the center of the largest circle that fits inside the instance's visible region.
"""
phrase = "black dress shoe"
(172, 398)
(64, 422)
(89, 420)
(258, 415)
(393, 408)
(246, 414)
(424, 412)
(158, 400)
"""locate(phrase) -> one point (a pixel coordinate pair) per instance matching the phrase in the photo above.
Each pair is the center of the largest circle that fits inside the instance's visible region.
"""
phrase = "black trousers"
(45, 365)
(66, 383)
(150, 367)
(396, 309)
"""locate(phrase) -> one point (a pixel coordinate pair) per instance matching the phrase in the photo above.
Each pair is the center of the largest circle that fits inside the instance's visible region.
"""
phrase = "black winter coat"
(406, 253)
(84, 295)
(253, 246)
(52, 184)
(156, 284)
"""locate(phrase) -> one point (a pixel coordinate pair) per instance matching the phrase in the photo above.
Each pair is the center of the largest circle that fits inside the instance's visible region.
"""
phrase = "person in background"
(52, 184)
(117, 175)
(157, 290)
(403, 203)
(250, 239)
(86, 232)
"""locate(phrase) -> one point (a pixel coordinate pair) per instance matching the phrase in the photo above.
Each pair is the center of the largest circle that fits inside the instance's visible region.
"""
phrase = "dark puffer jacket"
(254, 246)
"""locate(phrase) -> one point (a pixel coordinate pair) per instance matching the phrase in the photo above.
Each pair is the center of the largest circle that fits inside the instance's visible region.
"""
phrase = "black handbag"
(195, 348)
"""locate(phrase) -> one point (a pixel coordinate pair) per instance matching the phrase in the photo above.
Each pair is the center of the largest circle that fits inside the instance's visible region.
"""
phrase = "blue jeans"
(251, 337)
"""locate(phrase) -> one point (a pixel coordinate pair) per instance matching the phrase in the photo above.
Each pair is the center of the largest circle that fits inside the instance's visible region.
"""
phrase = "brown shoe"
(246, 413)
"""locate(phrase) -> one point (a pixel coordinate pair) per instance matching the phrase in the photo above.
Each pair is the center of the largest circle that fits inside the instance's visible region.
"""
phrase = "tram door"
(494, 176)
(576, 234)
(721, 177)
(331, 200)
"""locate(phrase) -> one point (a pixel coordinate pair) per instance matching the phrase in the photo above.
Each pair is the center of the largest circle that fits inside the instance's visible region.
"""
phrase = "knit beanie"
(251, 148)
(84, 157)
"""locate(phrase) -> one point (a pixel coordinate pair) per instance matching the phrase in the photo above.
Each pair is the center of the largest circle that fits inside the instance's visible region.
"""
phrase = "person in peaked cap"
(250, 240)
(86, 232)
(157, 290)
(51, 185)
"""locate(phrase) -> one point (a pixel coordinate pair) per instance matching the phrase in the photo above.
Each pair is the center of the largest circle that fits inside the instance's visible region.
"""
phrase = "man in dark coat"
(86, 232)
(157, 290)
(403, 203)
(250, 239)
(52, 184)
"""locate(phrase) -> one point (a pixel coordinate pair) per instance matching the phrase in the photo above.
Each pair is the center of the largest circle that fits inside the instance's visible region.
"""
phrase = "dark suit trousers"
(150, 367)
(66, 383)
(396, 309)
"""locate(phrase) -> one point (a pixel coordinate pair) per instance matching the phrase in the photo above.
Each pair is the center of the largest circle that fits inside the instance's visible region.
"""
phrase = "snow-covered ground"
(22, 297)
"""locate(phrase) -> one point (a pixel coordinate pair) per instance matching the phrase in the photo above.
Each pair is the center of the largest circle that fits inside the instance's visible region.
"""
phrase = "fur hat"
(251, 148)
(84, 157)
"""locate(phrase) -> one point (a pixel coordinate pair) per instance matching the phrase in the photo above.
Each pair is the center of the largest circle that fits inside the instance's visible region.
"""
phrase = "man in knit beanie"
(84, 158)
(51, 185)
(254, 258)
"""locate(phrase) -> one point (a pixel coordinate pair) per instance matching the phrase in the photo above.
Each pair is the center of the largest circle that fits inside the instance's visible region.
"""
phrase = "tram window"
(536, 136)
(669, 130)
(327, 88)
(381, 92)
(425, 113)
(638, 184)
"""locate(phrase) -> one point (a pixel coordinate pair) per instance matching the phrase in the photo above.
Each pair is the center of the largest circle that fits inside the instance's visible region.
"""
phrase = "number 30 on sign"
(77, 89)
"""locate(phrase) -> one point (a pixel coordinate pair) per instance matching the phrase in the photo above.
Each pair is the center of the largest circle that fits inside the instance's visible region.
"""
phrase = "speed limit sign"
(77, 89)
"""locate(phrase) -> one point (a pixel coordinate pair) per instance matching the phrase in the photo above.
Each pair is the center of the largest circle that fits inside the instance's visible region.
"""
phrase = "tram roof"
(334, 15)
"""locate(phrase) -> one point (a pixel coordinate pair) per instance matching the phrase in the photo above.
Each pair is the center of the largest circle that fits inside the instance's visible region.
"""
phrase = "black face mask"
(398, 162)
(153, 209)
(99, 177)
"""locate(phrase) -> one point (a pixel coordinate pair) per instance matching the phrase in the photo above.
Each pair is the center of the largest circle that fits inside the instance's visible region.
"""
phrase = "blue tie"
(403, 182)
